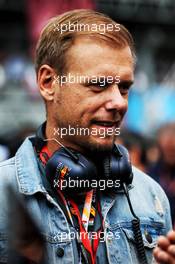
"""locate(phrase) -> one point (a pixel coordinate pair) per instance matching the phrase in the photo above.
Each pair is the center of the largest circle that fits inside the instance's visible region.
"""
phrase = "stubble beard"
(92, 147)
(88, 144)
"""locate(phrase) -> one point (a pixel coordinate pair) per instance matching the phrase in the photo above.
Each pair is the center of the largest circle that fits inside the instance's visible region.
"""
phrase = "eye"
(102, 84)
(124, 88)
(99, 85)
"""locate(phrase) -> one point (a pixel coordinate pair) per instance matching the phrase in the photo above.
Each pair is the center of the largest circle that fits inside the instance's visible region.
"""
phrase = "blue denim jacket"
(148, 200)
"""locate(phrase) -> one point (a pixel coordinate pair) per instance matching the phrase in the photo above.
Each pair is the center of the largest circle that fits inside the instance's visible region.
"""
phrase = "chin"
(99, 144)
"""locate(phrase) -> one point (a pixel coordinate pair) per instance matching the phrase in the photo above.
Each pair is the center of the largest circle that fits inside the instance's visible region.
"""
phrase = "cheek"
(74, 102)
(73, 107)
(67, 99)
(89, 107)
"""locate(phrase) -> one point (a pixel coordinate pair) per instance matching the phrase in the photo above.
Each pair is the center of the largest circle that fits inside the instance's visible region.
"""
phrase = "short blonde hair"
(53, 44)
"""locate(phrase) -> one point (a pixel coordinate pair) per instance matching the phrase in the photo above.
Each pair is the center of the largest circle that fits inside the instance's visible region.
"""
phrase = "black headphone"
(67, 168)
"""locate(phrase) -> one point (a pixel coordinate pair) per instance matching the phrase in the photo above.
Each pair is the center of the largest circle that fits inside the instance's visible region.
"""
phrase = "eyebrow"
(128, 83)
(98, 78)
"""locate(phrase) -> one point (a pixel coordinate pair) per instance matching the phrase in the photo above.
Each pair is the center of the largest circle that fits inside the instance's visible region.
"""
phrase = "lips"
(105, 123)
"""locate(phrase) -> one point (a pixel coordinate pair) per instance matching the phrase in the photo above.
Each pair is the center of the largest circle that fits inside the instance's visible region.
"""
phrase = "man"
(85, 67)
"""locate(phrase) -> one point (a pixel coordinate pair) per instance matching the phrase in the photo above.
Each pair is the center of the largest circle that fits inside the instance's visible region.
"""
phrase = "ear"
(46, 82)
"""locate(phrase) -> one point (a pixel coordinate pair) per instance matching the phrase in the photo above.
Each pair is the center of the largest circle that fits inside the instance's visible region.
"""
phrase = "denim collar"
(27, 170)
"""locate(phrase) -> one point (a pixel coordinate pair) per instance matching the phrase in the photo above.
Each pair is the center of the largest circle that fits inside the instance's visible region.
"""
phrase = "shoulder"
(144, 181)
(7, 171)
(7, 178)
(7, 162)
(25, 148)
(8, 168)
(150, 195)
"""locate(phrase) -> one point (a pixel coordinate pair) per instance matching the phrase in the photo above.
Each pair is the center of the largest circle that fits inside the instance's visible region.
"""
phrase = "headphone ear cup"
(69, 175)
(120, 165)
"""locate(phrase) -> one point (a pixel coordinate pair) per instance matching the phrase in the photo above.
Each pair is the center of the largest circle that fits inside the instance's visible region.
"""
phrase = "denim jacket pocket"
(150, 230)
(123, 245)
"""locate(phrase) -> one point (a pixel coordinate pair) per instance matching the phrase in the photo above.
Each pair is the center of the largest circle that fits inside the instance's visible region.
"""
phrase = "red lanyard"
(84, 236)
(44, 155)
(90, 246)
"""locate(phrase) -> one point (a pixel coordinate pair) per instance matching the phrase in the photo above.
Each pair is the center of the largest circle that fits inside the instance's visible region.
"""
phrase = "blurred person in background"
(48, 9)
(4, 151)
(136, 145)
(152, 152)
(14, 142)
(163, 171)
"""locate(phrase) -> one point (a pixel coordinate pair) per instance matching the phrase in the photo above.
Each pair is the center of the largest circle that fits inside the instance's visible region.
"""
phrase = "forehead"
(99, 56)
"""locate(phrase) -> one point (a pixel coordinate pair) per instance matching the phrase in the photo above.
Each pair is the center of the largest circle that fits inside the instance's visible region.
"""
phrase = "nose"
(115, 100)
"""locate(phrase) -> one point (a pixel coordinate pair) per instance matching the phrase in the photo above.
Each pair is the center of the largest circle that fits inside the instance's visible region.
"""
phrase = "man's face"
(98, 106)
